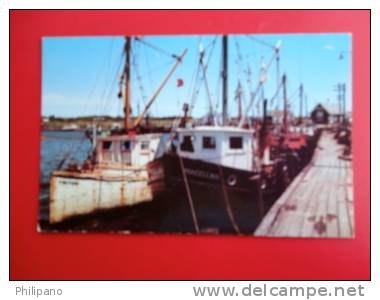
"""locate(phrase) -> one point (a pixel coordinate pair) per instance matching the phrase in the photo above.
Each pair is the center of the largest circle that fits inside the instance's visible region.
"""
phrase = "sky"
(80, 75)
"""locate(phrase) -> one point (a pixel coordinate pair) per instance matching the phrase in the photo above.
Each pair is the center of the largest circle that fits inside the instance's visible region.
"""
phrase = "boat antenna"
(225, 78)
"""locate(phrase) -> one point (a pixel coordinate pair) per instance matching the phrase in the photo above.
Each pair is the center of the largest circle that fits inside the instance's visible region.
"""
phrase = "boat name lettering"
(71, 182)
(201, 173)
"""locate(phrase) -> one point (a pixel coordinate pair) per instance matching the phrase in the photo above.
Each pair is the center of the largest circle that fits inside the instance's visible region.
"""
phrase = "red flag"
(179, 82)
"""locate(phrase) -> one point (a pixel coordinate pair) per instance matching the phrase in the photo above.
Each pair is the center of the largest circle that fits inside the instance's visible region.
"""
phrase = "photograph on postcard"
(198, 134)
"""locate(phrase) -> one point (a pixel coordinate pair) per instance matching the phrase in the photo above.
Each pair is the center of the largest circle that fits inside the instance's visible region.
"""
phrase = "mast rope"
(295, 93)
(218, 90)
(259, 41)
(259, 84)
(188, 193)
(105, 60)
(105, 66)
(199, 78)
(111, 87)
(211, 106)
(158, 49)
(240, 59)
(143, 96)
(227, 202)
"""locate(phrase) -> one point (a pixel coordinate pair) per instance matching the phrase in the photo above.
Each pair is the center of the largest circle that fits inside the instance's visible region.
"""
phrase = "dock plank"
(319, 201)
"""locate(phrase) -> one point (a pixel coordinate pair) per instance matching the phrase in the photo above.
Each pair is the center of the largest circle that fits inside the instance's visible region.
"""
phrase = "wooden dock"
(319, 202)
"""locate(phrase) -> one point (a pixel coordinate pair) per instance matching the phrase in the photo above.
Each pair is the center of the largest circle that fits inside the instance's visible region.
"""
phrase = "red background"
(113, 256)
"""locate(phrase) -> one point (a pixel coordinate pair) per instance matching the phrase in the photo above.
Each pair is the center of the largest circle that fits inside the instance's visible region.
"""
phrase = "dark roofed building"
(326, 113)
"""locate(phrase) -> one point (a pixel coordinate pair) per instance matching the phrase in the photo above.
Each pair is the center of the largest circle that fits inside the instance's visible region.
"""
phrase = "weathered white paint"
(78, 194)
(119, 178)
(222, 154)
(140, 150)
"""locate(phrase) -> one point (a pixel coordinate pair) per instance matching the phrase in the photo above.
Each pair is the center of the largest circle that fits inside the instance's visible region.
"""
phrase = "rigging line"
(199, 79)
(196, 88)
(275, 94)
(247, 73)
(218, 89)
(105, 60)
(196, 85)
(208, 63)
(261, 82)
(111, 87)
(260, 101)
(156, 69)
(227, 202)
(208, 92)
(80, 145)
(213, 43)
(251, 104)
(189, 198)
(107, 75)
(149, 67)
(255, 39)
(102, 103)
(158, 49)
(295, 93)
(138, 77)
(143, 98)
(244, 104)
(193, 78)
(239, 58)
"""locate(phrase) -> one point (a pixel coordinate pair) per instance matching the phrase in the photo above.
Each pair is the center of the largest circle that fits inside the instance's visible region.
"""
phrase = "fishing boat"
(115, 174)
(213, 171)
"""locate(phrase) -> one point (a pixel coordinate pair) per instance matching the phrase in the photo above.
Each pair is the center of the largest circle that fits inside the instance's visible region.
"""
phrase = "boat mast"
(301, 103)
(277, 51)
(238, 99)
(127, 74)
(285, 120)
(225, 77)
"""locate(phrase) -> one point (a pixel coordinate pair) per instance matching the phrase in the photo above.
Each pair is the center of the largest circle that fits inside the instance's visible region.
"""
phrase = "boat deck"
(319, 202)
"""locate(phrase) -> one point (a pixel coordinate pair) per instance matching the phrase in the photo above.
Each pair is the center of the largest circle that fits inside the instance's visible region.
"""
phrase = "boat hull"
(223, 199)
(74, 194)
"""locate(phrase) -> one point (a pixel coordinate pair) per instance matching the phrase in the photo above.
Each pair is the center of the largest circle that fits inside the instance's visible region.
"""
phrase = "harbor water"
(56, 147)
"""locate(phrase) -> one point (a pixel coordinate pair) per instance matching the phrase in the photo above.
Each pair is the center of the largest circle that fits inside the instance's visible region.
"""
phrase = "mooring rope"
(227, 202)
(189, 198)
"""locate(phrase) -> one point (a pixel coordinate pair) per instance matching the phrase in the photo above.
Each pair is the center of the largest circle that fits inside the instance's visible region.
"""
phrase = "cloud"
(329, 47)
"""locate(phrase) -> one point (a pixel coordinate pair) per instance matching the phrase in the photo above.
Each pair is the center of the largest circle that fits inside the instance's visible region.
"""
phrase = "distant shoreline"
(104, 122)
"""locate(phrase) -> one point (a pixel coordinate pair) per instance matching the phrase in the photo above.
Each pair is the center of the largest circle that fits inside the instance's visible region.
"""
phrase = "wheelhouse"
(227, 146)
(136, 150)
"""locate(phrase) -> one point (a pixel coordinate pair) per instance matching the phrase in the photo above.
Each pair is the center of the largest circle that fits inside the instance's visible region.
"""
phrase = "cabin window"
(107, 145)
(236, 142)
(187, 143)
(209, 142)
(126, 146)
(144, 145)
